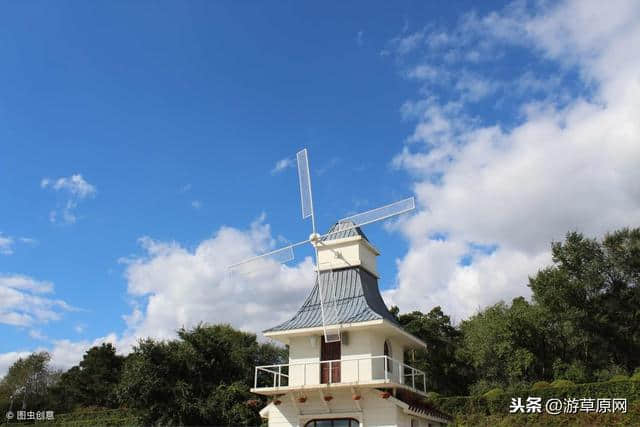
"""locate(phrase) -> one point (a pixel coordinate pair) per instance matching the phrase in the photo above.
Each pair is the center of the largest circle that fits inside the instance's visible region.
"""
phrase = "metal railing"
(349, 371)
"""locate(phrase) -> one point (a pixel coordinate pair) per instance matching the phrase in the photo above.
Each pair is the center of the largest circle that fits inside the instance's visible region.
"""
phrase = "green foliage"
(581, 419)
(607, 373)
(540, 384)
(499, 404)
(432, 395)
(619, 378)
(501, 342)
(93, 382)
(202, 378)
(94, 416)
(562, 383)
(636, 375)
(494, 393)
(446, 372)
(27, 382)
(590, 297)
(481, 387)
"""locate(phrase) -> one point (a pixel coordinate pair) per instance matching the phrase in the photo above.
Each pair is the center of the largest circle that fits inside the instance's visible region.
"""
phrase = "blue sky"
(173, 115)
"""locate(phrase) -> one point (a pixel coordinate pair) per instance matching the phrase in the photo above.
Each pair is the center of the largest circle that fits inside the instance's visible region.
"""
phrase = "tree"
(591, 296)
(93, 382)
(27, 382)
(201, 378)
(507, 344)
(446, 374)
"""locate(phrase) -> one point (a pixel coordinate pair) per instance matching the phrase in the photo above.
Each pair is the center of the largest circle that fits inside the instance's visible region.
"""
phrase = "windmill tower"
(346, 350)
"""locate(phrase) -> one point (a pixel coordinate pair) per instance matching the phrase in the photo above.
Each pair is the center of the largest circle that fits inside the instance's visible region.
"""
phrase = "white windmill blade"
(305, 187)
(377, 214)
(281, 256)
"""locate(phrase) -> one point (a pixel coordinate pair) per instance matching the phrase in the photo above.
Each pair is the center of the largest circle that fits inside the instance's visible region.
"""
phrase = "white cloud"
(6, 245)
(196, 204)
(74, 188)
(22, 302)
(360, 38)
(567, 165)
(172, 286)
(8, 359)
(281, 165)
(176, 286)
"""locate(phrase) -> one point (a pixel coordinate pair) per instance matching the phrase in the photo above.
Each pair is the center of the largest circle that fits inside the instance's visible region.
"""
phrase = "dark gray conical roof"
(351, 296)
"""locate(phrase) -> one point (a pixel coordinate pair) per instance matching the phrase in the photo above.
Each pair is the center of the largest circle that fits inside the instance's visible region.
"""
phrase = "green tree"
(446, 374)
(93, 381)
(27, 382)
(591, 296)
(201, 378)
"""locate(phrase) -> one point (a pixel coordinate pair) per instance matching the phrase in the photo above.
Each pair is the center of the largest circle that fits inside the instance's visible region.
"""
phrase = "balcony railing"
(348, 371)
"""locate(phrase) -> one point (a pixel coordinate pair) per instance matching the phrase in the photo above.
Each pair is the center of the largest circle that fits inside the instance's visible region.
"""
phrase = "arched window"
(389, 354)
(336, 422)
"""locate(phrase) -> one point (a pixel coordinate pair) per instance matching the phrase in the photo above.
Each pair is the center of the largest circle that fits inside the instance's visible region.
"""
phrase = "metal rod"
(386, 369)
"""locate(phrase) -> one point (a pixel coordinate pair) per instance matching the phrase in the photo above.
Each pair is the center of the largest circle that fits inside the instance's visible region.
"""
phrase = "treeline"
(201, 378)
(582, 324)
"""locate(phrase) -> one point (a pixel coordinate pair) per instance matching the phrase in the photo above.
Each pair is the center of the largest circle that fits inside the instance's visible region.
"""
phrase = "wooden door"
(329, 371)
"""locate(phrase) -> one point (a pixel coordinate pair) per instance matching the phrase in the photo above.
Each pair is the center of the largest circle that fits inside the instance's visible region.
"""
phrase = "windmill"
(286, 254)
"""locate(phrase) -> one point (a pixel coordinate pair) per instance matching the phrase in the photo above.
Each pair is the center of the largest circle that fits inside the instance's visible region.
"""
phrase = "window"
(387, 352)
(337, 422)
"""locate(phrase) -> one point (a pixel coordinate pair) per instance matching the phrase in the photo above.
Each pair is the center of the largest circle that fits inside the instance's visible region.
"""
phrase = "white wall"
(375, 411)
(360, 344)
(304, 350)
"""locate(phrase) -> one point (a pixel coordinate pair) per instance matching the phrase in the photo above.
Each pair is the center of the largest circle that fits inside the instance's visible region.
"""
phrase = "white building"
(362, 379)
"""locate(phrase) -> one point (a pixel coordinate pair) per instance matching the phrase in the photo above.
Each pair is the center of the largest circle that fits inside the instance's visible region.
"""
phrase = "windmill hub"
(314, 238)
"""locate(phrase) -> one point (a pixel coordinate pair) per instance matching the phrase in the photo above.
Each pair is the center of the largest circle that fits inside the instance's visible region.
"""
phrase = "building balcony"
(371, 371)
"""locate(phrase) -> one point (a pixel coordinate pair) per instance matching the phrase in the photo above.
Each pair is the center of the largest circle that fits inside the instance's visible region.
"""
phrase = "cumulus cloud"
(281, 165)
(23, 301)
(74, 189)
(174, 286)
(567, 164)
(171, 286)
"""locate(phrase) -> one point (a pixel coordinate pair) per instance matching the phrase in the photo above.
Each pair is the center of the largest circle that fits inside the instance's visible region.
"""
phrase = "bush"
(636, 375)
(562, 383)
(482, 386)
(609, 372)
(494, 393)
(499, 405)
(619, 378)
(541, 384)
(432, 395)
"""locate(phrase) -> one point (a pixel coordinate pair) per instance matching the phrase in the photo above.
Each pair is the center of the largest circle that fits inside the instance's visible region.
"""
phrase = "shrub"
(541, 384)
(482, 386)
(432, 395)
(636, 375)
(562, 383)
(500, 405)
(494, 393)
(619, 378)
